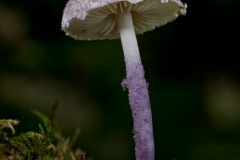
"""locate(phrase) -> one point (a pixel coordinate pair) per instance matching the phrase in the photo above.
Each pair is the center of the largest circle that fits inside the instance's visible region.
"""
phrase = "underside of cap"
(98, 21)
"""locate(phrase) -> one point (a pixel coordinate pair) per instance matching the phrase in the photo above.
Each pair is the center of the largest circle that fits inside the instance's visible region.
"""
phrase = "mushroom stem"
(137, 90)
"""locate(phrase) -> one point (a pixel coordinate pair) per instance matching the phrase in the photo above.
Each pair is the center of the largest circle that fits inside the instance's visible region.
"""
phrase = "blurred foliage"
(191, 64)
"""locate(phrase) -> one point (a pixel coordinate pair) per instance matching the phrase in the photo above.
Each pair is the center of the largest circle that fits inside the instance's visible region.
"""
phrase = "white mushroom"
(111, 19)
(94, 19)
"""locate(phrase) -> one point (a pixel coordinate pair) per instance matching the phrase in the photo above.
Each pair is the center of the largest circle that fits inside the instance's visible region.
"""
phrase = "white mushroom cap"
(96, 19)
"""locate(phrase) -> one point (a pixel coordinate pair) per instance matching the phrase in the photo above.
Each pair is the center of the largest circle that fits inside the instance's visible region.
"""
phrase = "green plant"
(46, 144)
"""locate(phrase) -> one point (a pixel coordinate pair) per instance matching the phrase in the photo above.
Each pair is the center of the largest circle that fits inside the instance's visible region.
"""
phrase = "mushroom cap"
(96, 19)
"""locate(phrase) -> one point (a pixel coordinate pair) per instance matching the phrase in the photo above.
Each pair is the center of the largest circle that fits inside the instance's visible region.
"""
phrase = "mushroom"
(111, 19)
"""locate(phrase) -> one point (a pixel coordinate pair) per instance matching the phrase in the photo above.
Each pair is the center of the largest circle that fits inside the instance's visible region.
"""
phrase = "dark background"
(191, 64)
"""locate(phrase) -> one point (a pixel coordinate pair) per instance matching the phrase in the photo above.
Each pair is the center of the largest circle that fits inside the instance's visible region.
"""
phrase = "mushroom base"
(141, 111)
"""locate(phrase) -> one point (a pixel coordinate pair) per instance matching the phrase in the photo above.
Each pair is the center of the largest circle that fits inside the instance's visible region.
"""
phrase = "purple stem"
(138, 92)
(141, 111)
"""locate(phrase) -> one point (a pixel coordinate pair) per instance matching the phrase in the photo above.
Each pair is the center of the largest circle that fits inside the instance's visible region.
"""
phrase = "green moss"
(46, 144)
